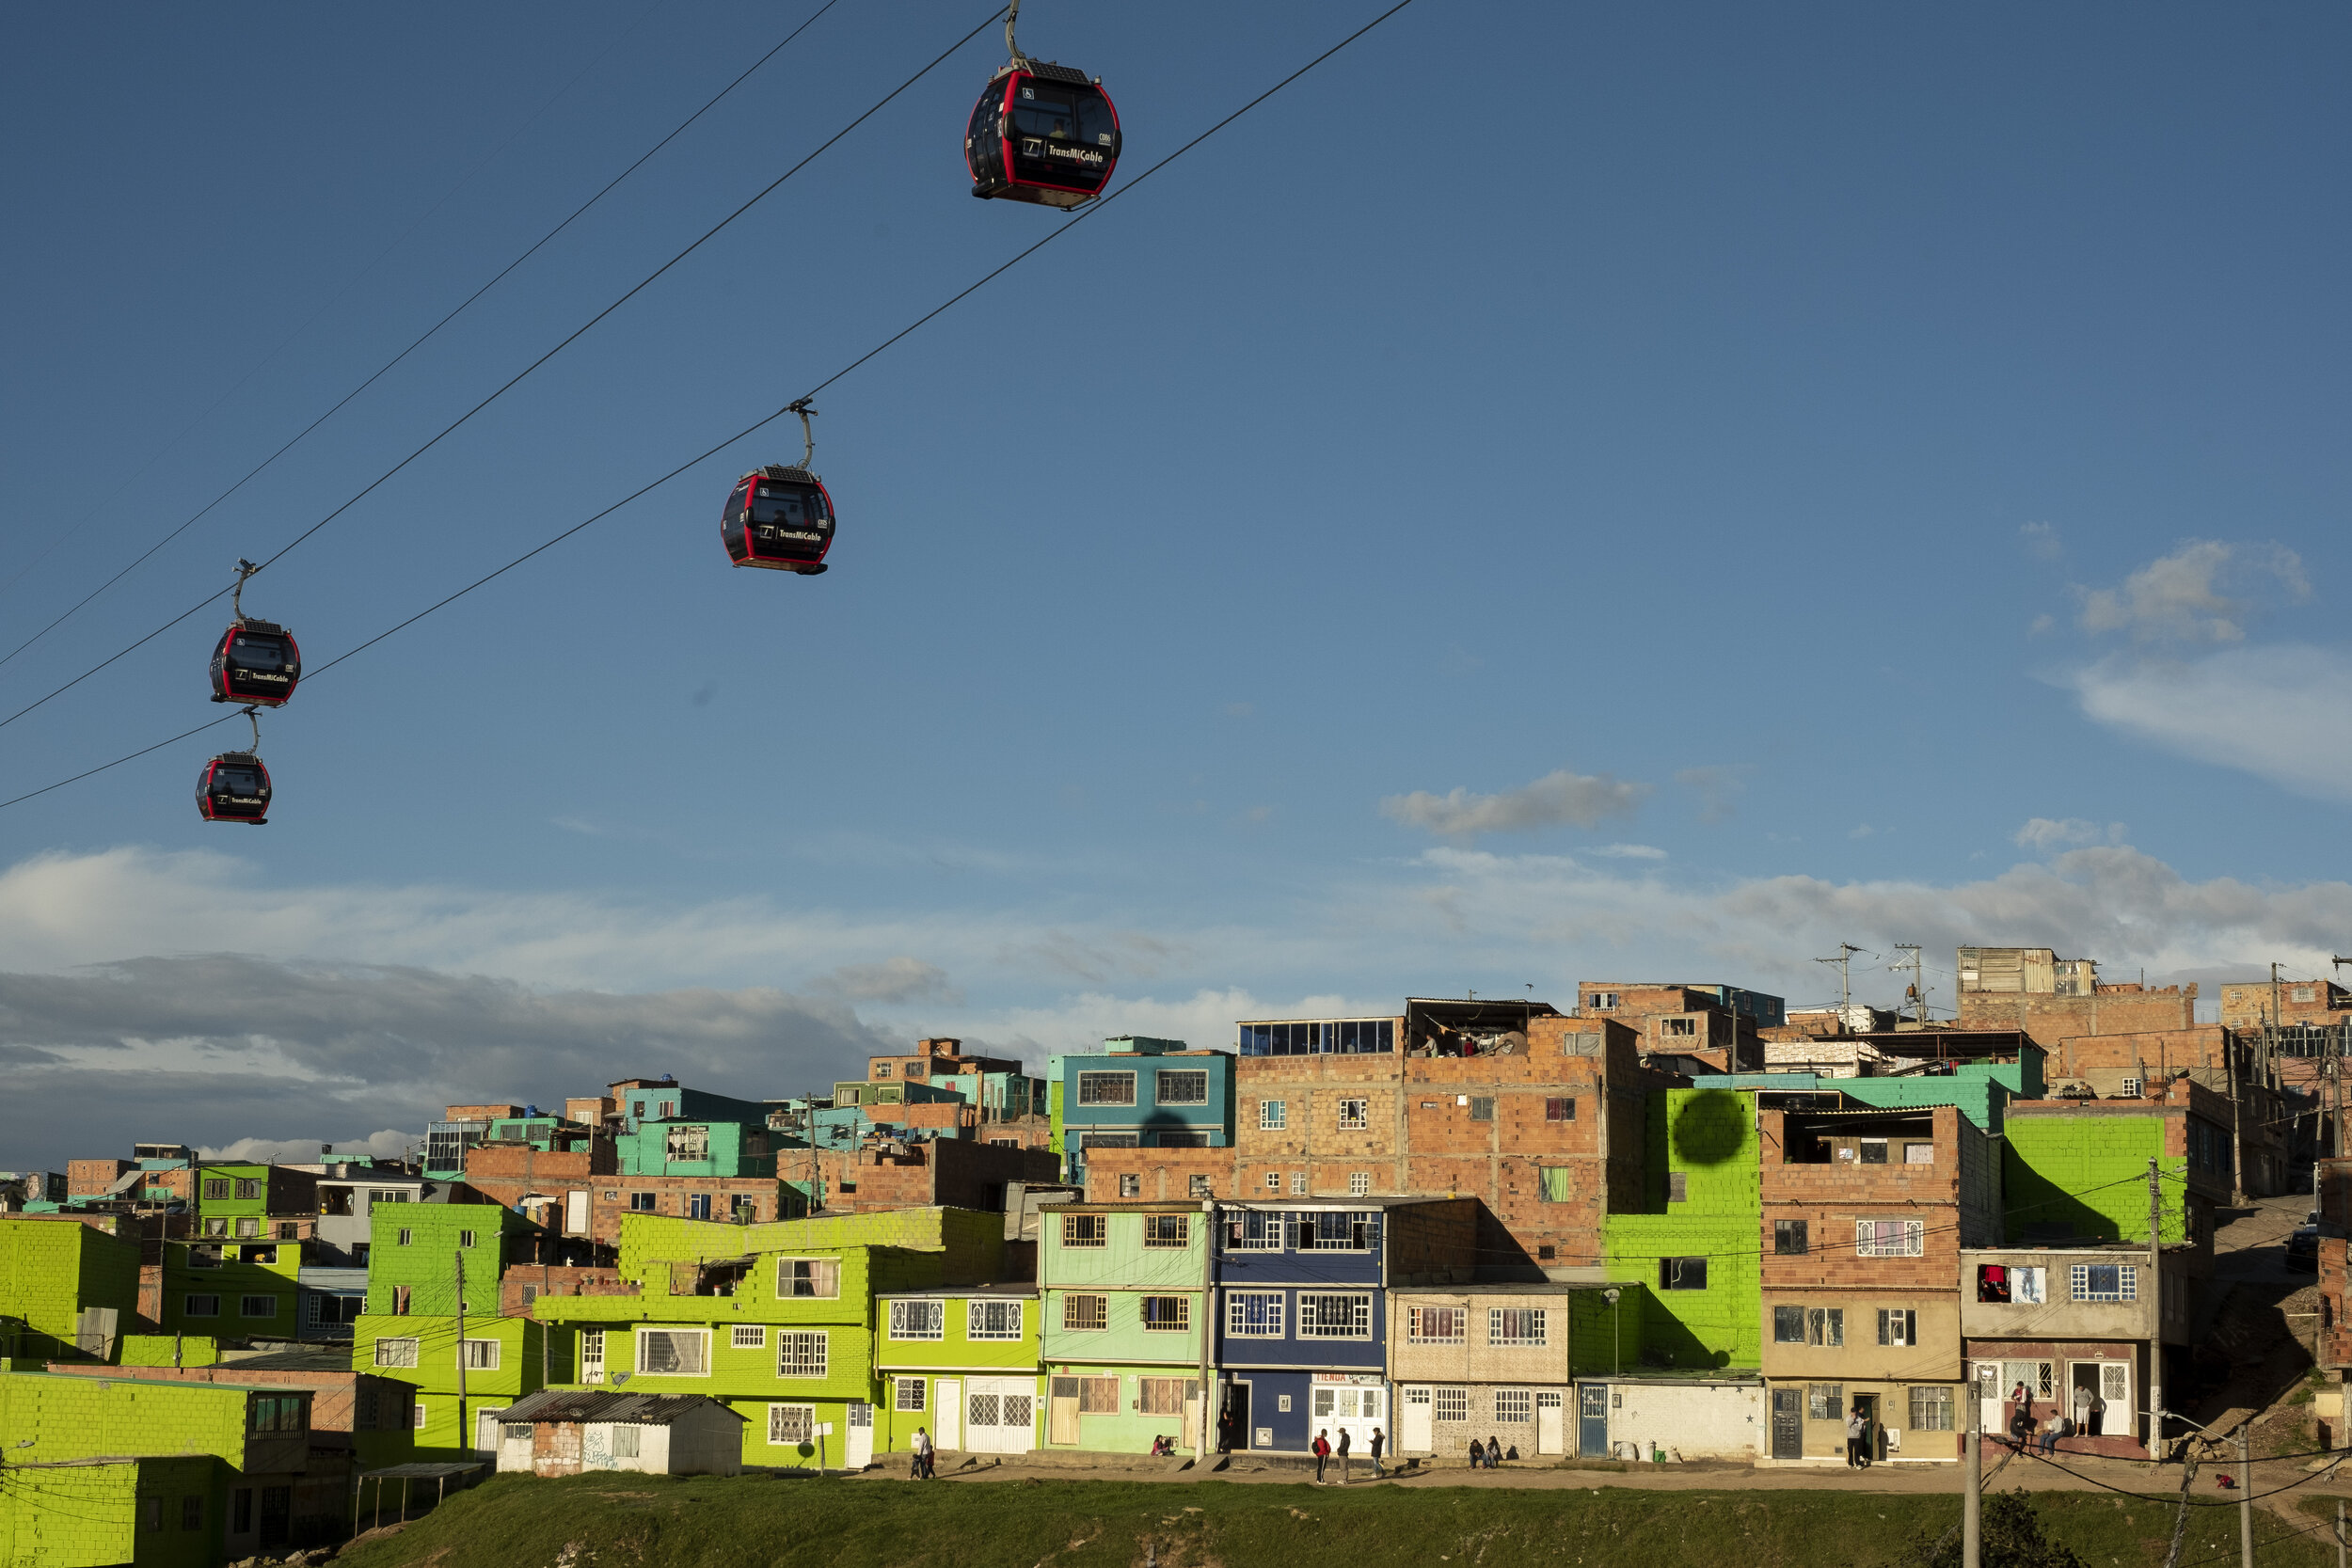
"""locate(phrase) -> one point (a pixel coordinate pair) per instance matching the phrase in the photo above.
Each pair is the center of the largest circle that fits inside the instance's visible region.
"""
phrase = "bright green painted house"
(1124, 1287)
(237, 1201)
(1694, 1253)
(51, 1270)
(85, 1513)
(231, 1290)
(959, 1361)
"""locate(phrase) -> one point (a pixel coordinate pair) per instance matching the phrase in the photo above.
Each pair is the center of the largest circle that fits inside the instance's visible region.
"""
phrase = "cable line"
(269, 358)
(748, 430)
(514, 380)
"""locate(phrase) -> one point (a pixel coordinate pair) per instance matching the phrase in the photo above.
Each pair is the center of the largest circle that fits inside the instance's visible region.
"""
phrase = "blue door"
(1591, 1420)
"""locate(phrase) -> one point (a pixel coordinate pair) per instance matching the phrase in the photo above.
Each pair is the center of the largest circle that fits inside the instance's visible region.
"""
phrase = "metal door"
(1414, 1435)
(1062, 1413)
(485, 1432)
(948, 1408)
(1000, 1415)
(1551, 1424)
(1788, 1423)
(1591, 1420)
(276, 1515)
(858, 1447)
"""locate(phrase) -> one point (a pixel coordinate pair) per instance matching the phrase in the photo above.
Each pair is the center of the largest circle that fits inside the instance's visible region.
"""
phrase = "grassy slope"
(614, 1522)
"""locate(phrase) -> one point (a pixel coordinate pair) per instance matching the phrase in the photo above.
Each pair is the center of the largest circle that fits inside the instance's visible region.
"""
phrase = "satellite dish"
(619, 1378)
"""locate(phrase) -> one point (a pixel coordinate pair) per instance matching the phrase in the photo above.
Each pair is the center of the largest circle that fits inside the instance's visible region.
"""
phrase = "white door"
(485, 1433)
(1413, 1427)
(576, 1213)
(1551, 1424)
(1000, 1415)
(858, 1447)
(947, 1404)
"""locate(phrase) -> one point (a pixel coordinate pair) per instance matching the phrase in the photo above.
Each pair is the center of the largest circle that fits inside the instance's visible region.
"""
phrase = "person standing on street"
(1854, 1439)
(1379, 1441)
(1345, 1443)
(1322, 1454)
(921, 1446)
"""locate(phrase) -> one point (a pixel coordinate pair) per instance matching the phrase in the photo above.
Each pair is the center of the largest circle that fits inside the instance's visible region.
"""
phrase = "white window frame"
(821, 1270)
(1105, 1080)
(1269, 1306)
(1436, 1325)
(1532, 1328)
(478, 1355)
(1320, 1314)
(1274, 1116)
(1360, 1184)
(784, 1418)
(918, 1319)
(1159, 1080)
(1355, 1114)
(907, 1395)
(1870, 1241)
(794, 1357)
(1274, 1182)
(591, 1355)
(747, 1337)
(1515, 1408)
(1298, 1183)
(404, 1353)
(976, 1313)
(701, 1336)
(1448, 1404)
(2126, 1286)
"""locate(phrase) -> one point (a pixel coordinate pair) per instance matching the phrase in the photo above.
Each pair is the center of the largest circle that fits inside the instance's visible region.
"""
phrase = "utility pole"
(1846, 950)
(2246, 1495)
(1918, 978)
(465, 1437)
(2340, 1540)
(2156, 1325)
(1972, 1467)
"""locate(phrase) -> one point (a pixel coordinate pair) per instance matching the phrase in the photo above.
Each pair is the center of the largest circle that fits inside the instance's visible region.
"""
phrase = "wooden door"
(1061, 1412)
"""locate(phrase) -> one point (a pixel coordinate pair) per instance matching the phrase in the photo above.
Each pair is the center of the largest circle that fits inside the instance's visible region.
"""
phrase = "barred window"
(1334, 1317)
(906, 1393)
(1517, 1325)
(799, 1352)
(1098, 1396)
(1164, 1396)
(791, 1423)
(1355, 1115)
(1189, 1086)
(396, 1353)
(674, 1351)
(1451, 1405)
(1253, 1314)
(1086, 1230)
(1515, 1406)
(248, 1186)
(1789, 1325)
(1889, 1238)
(2104, 1282)
(1167, 1314)
(1255, 1230)
(747, 1337)
(991, 1319)
(1435, 1326)
(1167, 1230)
(1931, 1408)
(918, 1320)
(1825, 1402)
(1106, 1088)
(1084, 1313)
(216, 1188)
(1482, 1108)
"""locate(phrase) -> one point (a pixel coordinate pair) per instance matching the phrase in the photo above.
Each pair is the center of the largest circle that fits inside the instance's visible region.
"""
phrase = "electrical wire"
(264, 363)
(712, 450)
(512, 381)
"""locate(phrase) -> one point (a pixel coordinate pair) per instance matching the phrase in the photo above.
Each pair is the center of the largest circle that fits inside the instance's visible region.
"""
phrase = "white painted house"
(553, 1433)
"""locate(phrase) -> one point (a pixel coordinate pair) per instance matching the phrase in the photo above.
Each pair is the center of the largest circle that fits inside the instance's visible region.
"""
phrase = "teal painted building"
(697, 1147)
(1140, 1092)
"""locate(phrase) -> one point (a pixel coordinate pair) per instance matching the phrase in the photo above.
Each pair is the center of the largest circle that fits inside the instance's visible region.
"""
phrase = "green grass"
(608, 1521)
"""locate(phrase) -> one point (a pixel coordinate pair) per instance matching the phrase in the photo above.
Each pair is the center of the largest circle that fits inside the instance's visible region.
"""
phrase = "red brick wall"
(2047, 1018)
(87, 1178)
(1831, 1199)
(598, 1281)
(670, 1195)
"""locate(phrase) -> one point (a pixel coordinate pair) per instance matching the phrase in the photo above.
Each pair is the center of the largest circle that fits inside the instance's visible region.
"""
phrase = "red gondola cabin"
(778, 517)
(233, 787)
(1044, 133)
(256, 662)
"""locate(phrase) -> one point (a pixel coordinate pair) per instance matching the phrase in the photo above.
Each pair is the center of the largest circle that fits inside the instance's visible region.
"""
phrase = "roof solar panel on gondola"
(1041, 132)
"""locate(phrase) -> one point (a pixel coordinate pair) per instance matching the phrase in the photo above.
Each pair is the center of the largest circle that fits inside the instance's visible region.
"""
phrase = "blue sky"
(1825, 475)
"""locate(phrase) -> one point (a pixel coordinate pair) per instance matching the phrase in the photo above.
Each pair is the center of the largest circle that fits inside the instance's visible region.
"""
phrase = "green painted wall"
(520, 1341)
(1126, 1431)
(955, 1354)
(1603, 1340)
(91, 1418)
(971, 1241)
(1707, 1137)
(52, 1269)
(88, 1516)
(729, 1146)
(427, 1262)
(2101, 1158)
(239, 1275)
(168, 1350)
(1126, 1270)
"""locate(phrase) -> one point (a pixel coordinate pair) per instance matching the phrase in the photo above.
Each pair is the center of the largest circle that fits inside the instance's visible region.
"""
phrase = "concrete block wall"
(87, 1417)
(971, 1242)
(51, 1268)
(72, 1514)
(2084, 1168)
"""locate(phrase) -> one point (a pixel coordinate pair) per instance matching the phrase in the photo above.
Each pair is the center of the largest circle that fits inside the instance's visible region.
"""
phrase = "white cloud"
(302, 1152)
(2040, 541)
(2269, 711)
(2045, 833)
(1558, 797)
(1632, 853)
(2181, 597)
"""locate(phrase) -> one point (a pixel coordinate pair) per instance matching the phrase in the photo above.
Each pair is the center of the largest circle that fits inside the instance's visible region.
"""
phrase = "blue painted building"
(1140, 1092)
(1302, 1310)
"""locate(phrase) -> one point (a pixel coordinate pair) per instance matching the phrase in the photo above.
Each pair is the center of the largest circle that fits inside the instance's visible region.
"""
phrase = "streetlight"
(1610, 1295)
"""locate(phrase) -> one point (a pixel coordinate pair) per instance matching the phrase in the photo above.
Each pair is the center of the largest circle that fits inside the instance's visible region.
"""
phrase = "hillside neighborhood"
(1663, 1223)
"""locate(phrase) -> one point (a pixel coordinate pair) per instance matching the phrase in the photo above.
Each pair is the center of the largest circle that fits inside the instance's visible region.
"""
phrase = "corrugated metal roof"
(558, 1404)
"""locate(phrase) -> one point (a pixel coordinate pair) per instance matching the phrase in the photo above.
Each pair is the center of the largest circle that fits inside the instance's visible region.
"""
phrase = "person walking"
(922, 1447)
(1322, 1454)
(1345, 1443)
(1379, 1441)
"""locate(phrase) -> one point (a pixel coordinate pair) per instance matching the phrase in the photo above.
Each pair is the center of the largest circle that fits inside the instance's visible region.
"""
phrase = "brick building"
(883, 1172)
(1544, 1124)
(2054, 998)
(1714, 1026)
(1864, 1213)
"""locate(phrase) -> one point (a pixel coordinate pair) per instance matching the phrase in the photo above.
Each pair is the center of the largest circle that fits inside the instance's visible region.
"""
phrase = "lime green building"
(1695, 1251)
(55, 1270)
(959, 1362)
(231, 1290)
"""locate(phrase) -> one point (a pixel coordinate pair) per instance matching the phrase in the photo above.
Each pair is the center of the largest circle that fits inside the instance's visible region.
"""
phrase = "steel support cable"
(264, 362)
(139, 560)
(748, 430)
(512, 381)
